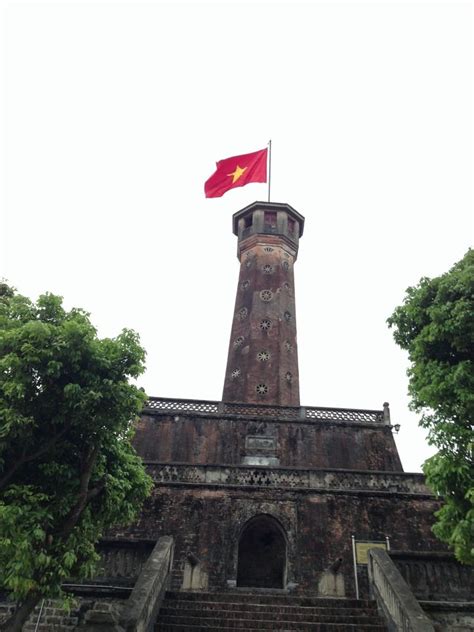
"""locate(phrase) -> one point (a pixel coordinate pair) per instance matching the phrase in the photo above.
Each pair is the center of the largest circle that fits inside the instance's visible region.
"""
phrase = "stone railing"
(138, 613)
(112, 607)
(435, 575)
(160, 406)
(141, 609)
(288, 478)
(122, 560)
(394, 597)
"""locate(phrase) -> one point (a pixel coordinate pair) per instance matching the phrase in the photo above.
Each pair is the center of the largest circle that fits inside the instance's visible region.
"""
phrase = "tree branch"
(95, 491)
(26, 459)
(84, 493)
(15, 622)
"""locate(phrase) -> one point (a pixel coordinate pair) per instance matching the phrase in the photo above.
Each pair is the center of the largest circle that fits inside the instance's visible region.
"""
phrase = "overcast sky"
(114, 115)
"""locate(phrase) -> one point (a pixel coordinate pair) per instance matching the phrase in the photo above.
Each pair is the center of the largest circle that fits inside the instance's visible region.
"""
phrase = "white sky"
(114, 114)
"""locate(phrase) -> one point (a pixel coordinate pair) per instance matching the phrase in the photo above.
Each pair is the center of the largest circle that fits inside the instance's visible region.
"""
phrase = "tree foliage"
(436, 326)
(67, 467)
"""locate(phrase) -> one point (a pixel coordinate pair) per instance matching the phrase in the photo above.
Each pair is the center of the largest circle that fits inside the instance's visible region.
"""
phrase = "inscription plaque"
(260, 444)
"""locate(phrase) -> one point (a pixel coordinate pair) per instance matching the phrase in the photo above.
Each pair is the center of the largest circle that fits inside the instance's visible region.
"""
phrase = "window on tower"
(270, 219)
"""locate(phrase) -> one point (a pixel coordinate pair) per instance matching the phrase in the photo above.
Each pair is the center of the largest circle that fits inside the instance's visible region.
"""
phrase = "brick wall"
(298, 443)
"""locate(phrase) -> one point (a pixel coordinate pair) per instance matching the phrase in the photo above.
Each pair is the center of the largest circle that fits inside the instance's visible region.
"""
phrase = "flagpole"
(269, 166)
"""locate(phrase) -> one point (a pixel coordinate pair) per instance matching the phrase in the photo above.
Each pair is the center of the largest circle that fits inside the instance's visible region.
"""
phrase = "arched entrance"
(262, 554)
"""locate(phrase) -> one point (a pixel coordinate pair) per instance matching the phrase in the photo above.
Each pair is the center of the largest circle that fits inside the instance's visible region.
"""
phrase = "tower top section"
(268, 218)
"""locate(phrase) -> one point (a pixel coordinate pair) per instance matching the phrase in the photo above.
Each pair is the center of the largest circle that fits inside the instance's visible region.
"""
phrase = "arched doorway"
(262, 554)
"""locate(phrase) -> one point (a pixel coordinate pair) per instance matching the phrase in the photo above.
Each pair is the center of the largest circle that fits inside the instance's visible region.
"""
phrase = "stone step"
(315, 627)
(175, 605)
(260, 611)
(238, 620)
(269, 598)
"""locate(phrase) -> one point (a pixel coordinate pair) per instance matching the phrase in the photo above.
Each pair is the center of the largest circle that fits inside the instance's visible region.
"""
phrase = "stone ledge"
(305, 490)
(449, 606)
(294, 479)
(98, 590)
(424, 556)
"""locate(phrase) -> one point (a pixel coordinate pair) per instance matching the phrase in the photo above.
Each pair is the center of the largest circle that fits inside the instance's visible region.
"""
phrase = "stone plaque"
(265, 461)
(260, 444)
(362, 549)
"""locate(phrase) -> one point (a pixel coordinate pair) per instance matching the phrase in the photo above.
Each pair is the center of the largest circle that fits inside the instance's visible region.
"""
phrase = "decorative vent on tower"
(235, 373)
(288, 346)
(245, 285)
(262, 389)
(287, 316)
(263, 356)
(267, 269)
(285, 265)
(266, 295)
(265, 324)
(242, 313)
(238, 341)
(268, 249)
(289, 377)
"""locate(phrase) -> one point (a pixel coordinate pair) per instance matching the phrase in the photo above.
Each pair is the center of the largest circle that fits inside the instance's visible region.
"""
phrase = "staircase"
(253, 612)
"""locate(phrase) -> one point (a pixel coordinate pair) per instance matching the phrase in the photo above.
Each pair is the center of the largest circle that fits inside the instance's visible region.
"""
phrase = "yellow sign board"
(362, 549)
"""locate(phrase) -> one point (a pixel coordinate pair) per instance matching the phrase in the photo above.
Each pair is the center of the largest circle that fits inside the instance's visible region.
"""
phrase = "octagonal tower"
(262, 363)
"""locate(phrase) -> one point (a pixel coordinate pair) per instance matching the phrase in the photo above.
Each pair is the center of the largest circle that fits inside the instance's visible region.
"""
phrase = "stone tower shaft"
(262, 364)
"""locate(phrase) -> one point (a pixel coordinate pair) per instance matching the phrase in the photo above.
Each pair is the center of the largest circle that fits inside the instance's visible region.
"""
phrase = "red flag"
(237, 172)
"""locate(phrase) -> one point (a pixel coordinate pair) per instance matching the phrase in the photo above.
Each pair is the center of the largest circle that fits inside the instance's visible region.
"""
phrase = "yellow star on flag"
(237, 173)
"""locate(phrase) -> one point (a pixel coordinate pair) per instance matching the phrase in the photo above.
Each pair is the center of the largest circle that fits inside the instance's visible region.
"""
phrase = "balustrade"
(158, 405)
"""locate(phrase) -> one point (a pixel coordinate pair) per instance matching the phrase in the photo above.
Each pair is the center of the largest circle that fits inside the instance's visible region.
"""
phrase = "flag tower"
(262, 364)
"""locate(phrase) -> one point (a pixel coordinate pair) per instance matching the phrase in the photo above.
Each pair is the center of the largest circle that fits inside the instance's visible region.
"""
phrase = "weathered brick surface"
(193, 439)
(5, 611)
(52, 617)
(318, 527)
(207, 519)
(277, 372)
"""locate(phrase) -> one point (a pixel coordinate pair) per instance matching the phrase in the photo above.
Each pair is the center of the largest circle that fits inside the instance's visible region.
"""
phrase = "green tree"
(435, 325)
(67, 468)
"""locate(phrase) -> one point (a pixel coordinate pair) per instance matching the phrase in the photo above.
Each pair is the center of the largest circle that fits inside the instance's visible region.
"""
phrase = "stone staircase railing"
(394, 597)
(138, 613)
(435, 575)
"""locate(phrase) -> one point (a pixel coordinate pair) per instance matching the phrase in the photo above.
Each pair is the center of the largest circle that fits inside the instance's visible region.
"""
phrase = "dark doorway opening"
(262, 554)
